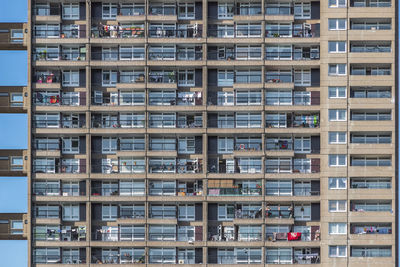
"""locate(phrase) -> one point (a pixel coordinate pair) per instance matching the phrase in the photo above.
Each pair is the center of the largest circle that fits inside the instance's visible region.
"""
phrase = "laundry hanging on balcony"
(293, 236)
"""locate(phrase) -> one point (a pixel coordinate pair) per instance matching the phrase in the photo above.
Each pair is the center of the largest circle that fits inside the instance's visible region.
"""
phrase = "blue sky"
(13, 134)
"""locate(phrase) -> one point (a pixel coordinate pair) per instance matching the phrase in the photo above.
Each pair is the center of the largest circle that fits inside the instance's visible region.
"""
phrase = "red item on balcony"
(294, 236)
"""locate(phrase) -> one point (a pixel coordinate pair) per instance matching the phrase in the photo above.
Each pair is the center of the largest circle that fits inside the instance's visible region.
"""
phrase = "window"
(109, 78)
(337, 205)
(16, 100)
(337, 228)
(109, 212)
(225, 77)
(17, 227)
(186, 233)
(186, 145)
(226, 212)
(337, 160)
(302, 10)
(17, 36)
(302, 212)
(337, 24)
(279, 255)
(375, 251)
(374, 92)
(108, 145)
(132, 232)
(337, 183)
(186, 11)
(225, 10)
(382, 161)
(70, 212)
(371, 138)
(337, 115)
(47, 255)
(337, 137)
(371, 183)
(302, 144)
(225, 145)
(70, 11)
(337, 251)
(371, 116)
(70, 145)
(162, 255)
(186, 78)
(70, 78)
(17, 163)
(109, 10)
(186, 212)
(337, 92)
(337, 69)
(337, 3)
(162, 232)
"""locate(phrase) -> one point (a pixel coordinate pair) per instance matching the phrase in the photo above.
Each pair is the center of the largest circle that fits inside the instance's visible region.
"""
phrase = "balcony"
(234, 123)
(294, 121)
(57, 259)
(191, 99)
(115, 168)
(118, 123)
(118, 32)
(56, 57)
(122, 57)
(231, 259)
(293, 165)
(274, 31)
(234, 166)
(231, 237)
(173, 123)
(64, 123)
(51, 80)
(59, 99)
(66, 234)
(235, 55)
(117, 191)
(311, 234)
(179, 167)
(194, 32)
(58, 191)
(79, 32)
(292, 56)
(116, 236)
(234, 191)
(177, 55)
(289, 191)
(59, 168)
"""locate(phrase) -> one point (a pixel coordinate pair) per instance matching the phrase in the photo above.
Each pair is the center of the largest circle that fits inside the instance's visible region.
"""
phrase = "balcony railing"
(248, 146)
(53, 191)
(119, 101)
(291, 55)
(107, 124)
(245, 259)
(48, 146)
(234, 33)
(173, 33)
(64, 123)
(287, 32)
(48, 78)
(241, 168)
(279, 78)
(58, 168)
(175, 101)
(300, 236)
(57, 259)
(179, 168)
(180, 55)
(163, 78)
(234, 191)
(57, 33)
(118, 168)
(123, 259)
(291, 100)
(247, 237)
(234, 123)
(174, 123)
(59, 236)
(311, 123)
(289, 191)
(280, 145)
(40, 99)
(292, 168)
(117, 236)
(235, 100)
(281, 214)
(101, 191)
(56, 56)
(106, 31)
(235, 55)
(118, 56)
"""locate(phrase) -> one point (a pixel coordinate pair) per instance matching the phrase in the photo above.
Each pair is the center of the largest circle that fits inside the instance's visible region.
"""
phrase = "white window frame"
(337, 28)
(14, 166)
(185, 148)
(336, 135)
(336, 227)
(336, 3)
(67, 147)
(71, 7)
(16, 100)
(113, 77)
(70, 212)
(109, 14)
(335, 90)
(337, 251)
(337, 205)
(337, 47)
(337, 69)
(337, 112)
(334, 184)
(68, 78)
(336, 157)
